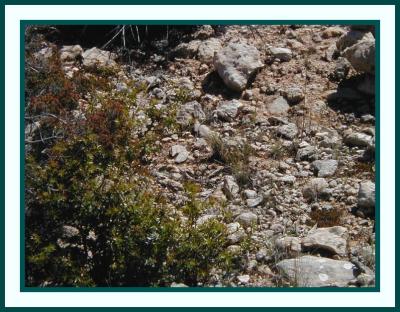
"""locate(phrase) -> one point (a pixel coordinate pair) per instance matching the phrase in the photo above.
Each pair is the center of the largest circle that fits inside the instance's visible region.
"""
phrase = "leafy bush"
(94, 216)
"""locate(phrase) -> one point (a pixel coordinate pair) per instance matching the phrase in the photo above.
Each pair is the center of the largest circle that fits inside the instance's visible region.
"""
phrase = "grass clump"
(235, 157)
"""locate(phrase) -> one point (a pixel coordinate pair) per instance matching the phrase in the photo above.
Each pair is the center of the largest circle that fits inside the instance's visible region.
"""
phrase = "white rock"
(207, 49)
(283, 54)
(236, 63)
(97, 57)
(310, 271)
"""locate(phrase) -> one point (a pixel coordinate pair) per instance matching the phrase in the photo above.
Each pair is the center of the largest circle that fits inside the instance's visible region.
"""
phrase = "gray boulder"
(358, 139)
(283, 54)
(186, 50)
(247, 219)
(227, 110)
(254, 202)
(288, 131)
(366, 197)
(180, 153)
(207, 50)
(325, 168)
(97, 57)
(278, 107)
(236, 63)
(332, 239)
(70, 53)
(310, 271)
(305, 153)
(351, 38)
(362, 56)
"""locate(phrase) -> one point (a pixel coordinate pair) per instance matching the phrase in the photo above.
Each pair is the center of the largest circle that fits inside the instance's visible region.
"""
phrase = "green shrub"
(93, 180)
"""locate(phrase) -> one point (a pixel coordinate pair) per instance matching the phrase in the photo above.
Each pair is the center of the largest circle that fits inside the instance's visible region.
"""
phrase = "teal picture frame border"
(171, 2)
(23, 288)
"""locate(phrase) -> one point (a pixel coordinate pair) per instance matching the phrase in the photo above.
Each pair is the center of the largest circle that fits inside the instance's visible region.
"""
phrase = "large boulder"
(331, 239)
(236, 63)
(310, 271)
(351, 38)
(70, 53)
(207, 50)
(97, 57)
(362, 56)
(186, 50)
(325, 168)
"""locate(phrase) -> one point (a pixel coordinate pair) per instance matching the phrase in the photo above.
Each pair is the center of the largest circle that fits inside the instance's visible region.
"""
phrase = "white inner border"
(13, 15)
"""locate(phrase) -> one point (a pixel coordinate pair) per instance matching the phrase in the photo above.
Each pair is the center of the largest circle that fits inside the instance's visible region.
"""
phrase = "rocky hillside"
(240, 156)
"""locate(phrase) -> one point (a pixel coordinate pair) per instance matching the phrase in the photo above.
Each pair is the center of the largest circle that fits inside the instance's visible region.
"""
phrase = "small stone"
(305, 153)
(294, 95)
(247, 219)
(250, 194)
(254, 202)
(234, 250)
(315, 189)
(227, 110)
(180, 153)
(97, 57)
(278, 107)
(366, 197)
(325, 168)
(358, 139)
(277, 228)
(288, 131)
(332, 32)
(69, 231)
(189, 112)
(288, 244)
(230, 187)
(281, 53)
(261, 255)
(243, 279)
(178, 285)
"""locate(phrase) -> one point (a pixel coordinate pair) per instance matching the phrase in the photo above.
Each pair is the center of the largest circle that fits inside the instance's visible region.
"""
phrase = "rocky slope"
(277, 125)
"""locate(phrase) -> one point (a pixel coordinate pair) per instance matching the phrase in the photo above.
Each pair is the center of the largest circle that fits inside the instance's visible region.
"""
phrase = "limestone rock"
(97, 57)
(331, 239)
(310, 271)
(236, 63)
(207, 49)
(325, 168)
